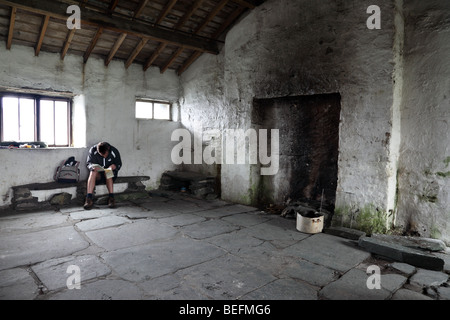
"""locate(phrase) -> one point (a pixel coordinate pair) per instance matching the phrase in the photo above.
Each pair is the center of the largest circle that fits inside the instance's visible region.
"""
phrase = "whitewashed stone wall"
(103, 110)
(424, 168)
(288, 48)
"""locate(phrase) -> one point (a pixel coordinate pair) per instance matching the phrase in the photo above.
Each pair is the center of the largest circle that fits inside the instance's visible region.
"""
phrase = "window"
(27, 118)
(149, 109)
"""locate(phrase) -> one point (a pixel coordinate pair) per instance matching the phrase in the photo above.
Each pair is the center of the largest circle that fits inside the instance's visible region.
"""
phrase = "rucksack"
(68, 171)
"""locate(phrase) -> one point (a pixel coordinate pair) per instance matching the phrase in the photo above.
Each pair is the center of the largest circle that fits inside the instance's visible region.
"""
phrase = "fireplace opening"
(308, 146)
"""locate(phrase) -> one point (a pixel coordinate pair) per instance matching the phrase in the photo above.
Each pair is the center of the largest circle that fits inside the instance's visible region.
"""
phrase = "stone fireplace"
(309, 148)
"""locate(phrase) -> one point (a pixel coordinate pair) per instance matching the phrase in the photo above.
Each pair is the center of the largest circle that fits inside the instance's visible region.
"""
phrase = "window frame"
(153, 101)
(37, 123)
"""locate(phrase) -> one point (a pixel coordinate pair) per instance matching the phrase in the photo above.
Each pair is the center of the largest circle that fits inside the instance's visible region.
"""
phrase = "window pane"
(144, 110)
(162, 111)
(61, 130)
(26, 119)
(10, 118)
(46, 125)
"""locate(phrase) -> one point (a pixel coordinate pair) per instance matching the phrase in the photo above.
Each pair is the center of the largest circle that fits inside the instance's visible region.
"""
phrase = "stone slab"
(405, 294)
(25, 249)
(309, 272)
(428, 278)
(444, 293)
(17, 284)
(27, 221)
(102, 222)
(131, 234)
(413, 242)
(240, 278)
(284, 289)
(53, 273)
(225, 211)
(403, 267)
(330, 251)
(170, 287)
(402, 254)
(283, 232)
(184, 219)
(343, 232)
(149, 261)
(107, 289)
(247, 219)
(208, 229)
(353, 286)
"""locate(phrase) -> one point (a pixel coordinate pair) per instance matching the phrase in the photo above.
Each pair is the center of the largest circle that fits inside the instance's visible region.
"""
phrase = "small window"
(148, 109)
(34, 118)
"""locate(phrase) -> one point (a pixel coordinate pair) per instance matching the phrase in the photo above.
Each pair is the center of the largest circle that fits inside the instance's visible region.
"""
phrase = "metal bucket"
(310, 223)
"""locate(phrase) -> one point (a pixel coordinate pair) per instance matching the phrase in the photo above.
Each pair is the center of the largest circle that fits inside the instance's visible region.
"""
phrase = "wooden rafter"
(12, 21)
(135, 52)
(155, 55)
(67, 43)
(188, 62)
(162, 45)
(92, 45)
(188, 14)
(42, 35)
(140, 8)
(208, 19)
(118, 24)
(251, 4)
(180, 23)
(219, 31)
(114, 49)
(172, 59)
(231, 18)
(211, 15)
(112, 6)
(165, 11)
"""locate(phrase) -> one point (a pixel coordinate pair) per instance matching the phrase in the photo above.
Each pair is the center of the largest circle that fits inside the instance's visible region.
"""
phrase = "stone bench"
(56, 193)
(200, 185)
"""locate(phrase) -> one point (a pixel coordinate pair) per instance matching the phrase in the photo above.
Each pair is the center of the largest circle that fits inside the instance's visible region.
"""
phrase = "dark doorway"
(309, 145)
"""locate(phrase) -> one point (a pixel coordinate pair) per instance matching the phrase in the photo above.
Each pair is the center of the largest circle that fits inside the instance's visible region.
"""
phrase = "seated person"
(105, 155)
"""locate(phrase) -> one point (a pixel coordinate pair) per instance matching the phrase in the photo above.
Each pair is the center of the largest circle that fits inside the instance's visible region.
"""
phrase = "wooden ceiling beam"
(140, 8)
(188, 62)
(188, 14)
(165, 11)
(211, 16)
(112, 6)
(118, 24)
(12, 21)
(92, 45)
(42, 35)
(163, 45)
(114, 49)
(219, 31)
(172, 59)
(155, 55)
(251, 4)
(67, 43)
(135, 52)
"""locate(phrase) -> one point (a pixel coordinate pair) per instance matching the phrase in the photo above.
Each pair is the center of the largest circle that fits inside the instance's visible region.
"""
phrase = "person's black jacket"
(112, 158)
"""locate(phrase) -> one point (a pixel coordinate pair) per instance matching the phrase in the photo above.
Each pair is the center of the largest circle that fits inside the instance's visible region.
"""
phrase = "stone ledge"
(343, 232)
(24, 200)
(402, 254)
(59, 185)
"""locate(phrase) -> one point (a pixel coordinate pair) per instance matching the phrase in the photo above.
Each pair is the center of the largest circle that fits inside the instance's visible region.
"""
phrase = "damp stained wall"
(424, 167)
(293, 48)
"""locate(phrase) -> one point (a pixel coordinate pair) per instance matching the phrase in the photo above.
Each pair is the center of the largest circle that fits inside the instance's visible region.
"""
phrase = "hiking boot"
(111, 202)
(88, 204)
